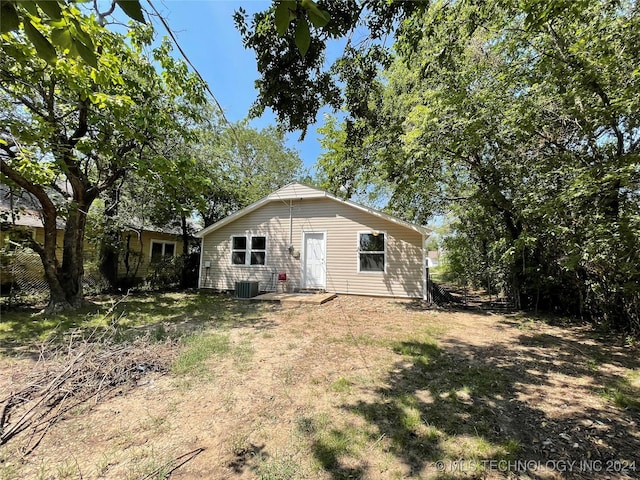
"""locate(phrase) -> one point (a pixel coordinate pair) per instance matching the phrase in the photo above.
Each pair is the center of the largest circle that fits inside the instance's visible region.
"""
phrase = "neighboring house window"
(371, 252)
(249, 251)
(160, 250)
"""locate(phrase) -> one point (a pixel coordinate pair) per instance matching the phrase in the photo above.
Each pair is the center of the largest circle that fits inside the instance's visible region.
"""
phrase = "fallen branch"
(64, 378)
(187, 457)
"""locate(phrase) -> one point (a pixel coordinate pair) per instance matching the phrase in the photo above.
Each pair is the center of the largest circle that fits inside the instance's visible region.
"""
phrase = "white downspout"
(424, 268)
(291, 226)
(201, 260)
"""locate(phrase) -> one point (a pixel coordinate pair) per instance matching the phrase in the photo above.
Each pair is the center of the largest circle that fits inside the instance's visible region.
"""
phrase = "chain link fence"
(22, 279)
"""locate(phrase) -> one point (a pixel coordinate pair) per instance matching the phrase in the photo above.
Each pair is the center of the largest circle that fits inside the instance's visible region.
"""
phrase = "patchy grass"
(438, 406)
(162, 314)
(148, 463)
(332, 446)
(356, 388)
(242, 353)
(198, 348)
(22, 326)
(279, 467)
(341, 385)
(625, 391)
(360, 340)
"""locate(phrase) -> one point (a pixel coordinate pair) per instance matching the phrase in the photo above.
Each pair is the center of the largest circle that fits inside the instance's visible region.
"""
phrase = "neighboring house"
(320, 242)
(20, 219)
(143, 245)
(435, 258)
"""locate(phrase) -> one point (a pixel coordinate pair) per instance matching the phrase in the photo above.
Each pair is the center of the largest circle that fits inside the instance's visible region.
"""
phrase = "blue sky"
(206, 32)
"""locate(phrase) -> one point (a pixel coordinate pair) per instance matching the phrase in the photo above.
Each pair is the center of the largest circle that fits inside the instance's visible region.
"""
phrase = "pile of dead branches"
(84, 372)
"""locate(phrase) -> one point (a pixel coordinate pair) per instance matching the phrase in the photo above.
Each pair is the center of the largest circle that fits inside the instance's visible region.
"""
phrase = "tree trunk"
(185, 235)
(57, 298)
(614, 307)
(110, 241)
(72, 271)
(65, 279)
(127, 255)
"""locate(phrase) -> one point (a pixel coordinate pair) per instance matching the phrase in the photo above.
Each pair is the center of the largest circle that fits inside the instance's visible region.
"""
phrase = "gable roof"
(298, 191)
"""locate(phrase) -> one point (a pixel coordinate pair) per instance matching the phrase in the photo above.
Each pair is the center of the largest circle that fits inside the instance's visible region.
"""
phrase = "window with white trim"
(248, 250)
(239, 250)
(258, 253)
(161, 250)
(372, 252)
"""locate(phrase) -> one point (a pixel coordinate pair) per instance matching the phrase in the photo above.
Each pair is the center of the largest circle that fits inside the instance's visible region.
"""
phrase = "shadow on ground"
(453, 400)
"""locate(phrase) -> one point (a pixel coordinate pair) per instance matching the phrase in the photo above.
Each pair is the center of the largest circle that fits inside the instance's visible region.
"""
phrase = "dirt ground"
(361, 388)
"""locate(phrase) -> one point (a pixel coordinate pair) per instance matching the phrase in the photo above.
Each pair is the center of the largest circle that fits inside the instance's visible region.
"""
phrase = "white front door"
(313, 269)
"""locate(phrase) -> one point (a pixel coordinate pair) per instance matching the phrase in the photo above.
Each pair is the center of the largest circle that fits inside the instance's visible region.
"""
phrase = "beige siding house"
(319, 242)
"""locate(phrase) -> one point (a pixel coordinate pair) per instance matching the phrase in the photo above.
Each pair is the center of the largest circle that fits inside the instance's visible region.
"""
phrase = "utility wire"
(184, 55)
(233, 128)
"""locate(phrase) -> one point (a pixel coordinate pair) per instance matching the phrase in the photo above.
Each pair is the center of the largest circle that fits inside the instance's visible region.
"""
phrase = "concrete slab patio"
(295, 298)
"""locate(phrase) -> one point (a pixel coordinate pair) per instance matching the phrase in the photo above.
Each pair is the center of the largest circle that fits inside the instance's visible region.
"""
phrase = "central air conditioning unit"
(247, 289)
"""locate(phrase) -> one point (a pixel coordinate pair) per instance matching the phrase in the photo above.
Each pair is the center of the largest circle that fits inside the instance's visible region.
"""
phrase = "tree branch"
(36, 190)
(105, 14)
(111, 180)
(21, 98)
(82, 128)
(57, 188)
(589, 80)
(7, 150)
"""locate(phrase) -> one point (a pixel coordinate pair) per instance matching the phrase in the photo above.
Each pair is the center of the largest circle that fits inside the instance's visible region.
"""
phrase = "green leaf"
(319, 19)
(133, 9)
(9, 20)
(51, 8)
(78, 32)
(43, 46)
(283, 15)
(61, 37)
(87, 54)
(30, 7)
(15, 52)
(303, 36)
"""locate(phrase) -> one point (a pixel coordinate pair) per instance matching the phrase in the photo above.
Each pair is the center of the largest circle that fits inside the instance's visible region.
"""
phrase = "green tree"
(151, 199)
(245, 164)
(172, 198)
(290, 38)
(54, 27)
(76, 130)
(523, 120)
(216, 169)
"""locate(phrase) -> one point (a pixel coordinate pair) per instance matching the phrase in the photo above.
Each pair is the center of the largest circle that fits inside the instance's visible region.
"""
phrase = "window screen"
(371, 252)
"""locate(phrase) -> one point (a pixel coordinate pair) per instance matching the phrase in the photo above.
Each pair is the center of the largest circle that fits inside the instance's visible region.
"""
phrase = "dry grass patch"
(356, 388)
